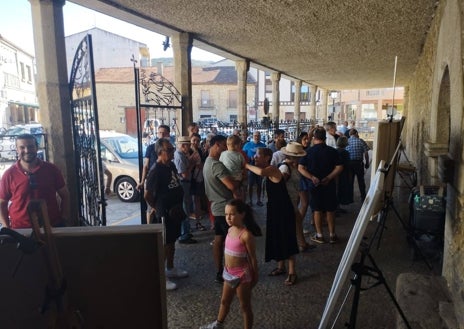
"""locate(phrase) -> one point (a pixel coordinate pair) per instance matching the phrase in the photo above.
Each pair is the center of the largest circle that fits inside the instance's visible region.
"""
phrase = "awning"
(23, 104)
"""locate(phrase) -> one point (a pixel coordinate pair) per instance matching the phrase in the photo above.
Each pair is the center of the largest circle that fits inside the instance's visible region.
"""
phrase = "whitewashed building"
(18, 100)
(109, 49)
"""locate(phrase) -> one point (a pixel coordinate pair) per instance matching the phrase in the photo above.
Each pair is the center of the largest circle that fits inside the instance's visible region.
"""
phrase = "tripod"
(361, 269)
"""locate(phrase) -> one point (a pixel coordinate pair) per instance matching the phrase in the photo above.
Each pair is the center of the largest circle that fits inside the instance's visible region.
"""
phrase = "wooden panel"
(387, 137)
(115, 278)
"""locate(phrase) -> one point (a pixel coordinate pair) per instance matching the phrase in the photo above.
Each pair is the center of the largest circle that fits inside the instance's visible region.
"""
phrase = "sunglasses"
(32, 181)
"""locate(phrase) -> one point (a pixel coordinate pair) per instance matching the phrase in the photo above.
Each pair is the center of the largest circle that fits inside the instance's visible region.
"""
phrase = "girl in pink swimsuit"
(240, 261)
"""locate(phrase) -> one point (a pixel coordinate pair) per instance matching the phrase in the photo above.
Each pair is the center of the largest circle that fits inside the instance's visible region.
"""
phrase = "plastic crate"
(428, 210)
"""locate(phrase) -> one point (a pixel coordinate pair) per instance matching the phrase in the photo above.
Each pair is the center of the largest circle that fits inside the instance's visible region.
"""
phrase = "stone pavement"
(276, 306)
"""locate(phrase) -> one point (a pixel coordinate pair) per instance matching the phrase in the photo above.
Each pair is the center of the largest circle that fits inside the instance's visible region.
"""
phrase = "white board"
(367, 211)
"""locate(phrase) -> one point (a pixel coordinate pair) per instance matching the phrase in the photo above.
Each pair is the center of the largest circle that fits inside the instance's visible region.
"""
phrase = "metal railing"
(290, 127)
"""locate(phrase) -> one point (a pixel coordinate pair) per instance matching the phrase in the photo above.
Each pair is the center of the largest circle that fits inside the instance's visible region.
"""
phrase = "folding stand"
(361, 269)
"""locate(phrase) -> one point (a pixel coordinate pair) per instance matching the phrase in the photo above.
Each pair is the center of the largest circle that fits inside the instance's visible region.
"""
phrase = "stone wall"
(112, 98)
(434, 127)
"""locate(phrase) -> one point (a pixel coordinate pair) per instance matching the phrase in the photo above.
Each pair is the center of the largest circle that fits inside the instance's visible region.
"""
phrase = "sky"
(16, 26)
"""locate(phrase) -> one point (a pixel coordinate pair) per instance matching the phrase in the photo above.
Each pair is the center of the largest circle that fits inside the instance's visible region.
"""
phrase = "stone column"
(324, 115)
(53, 92)
(297, 105)
(275, 78)
(312, 105)
(182, 48)
(242, 67)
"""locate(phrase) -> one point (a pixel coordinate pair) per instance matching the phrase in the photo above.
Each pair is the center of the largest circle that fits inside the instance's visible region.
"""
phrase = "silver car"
(121, 156)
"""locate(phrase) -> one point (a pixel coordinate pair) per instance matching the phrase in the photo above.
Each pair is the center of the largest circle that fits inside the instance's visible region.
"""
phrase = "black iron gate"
(156, 96)
(86, 137)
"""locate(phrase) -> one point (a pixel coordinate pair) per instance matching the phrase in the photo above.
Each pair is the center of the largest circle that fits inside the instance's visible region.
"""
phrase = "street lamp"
(334, 95)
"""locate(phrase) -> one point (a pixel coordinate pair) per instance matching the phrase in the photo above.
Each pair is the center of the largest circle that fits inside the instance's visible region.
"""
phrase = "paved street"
(276, 306)
(122, 213)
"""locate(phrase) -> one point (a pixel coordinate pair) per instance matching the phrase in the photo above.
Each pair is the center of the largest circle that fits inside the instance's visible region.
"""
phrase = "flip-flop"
(277, 271)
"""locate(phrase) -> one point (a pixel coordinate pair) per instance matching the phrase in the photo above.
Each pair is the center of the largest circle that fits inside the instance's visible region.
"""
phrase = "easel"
(388, 203)
(406, 170)
(361, 269)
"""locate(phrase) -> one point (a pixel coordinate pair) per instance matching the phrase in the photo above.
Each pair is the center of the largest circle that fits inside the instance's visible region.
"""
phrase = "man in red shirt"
(31, 178)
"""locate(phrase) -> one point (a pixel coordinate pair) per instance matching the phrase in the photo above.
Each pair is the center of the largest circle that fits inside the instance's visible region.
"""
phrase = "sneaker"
(176, 273)
(219, 278)
(333, 239)
(260, 204)
(318, 239)
(170, 285)
(214, 325)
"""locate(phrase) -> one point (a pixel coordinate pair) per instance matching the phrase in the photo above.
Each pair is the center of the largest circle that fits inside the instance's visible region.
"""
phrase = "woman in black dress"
(281, 243)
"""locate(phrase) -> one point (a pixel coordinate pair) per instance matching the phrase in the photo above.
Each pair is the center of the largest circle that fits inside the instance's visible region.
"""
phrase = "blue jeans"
(187, 205)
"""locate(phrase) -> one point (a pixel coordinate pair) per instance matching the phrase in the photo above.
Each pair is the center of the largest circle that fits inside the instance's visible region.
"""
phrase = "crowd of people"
(223, 178)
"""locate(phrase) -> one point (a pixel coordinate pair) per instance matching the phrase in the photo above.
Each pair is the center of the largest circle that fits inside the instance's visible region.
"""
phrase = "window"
(29, 74)
(233, 118)
(205, 99)
(351, 111)
(374, 92)
(11, 80)
(368, 111)
(233, 99)
(23, 73)
(305, 95)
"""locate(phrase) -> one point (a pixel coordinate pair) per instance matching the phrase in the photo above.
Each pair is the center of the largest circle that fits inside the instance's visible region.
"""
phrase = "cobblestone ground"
(276, 306)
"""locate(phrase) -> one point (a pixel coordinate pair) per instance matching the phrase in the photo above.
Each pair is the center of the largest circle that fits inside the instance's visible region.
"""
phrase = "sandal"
(278, 271)
(291, 280)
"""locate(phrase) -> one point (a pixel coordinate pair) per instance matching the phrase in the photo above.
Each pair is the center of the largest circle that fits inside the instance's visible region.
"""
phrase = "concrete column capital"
(242, 65)
(183, 39)
(275, 76)
(55, 2)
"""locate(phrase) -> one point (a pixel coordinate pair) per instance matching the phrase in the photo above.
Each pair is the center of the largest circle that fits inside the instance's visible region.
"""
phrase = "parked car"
(208, 122)
(121, 156)
(8, 140)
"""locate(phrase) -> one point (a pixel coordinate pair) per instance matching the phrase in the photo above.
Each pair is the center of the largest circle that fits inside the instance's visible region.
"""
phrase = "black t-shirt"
(320, 160)
(164, 183)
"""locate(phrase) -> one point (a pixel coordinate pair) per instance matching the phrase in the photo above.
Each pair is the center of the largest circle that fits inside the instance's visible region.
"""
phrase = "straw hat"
(183, 140)
(293, 149)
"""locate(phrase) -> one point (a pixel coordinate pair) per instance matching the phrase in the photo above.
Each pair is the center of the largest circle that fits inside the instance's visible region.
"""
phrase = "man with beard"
(31, 178)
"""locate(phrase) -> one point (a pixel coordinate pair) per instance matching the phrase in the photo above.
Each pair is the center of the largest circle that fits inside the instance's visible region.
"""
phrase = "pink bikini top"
(234, 247)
